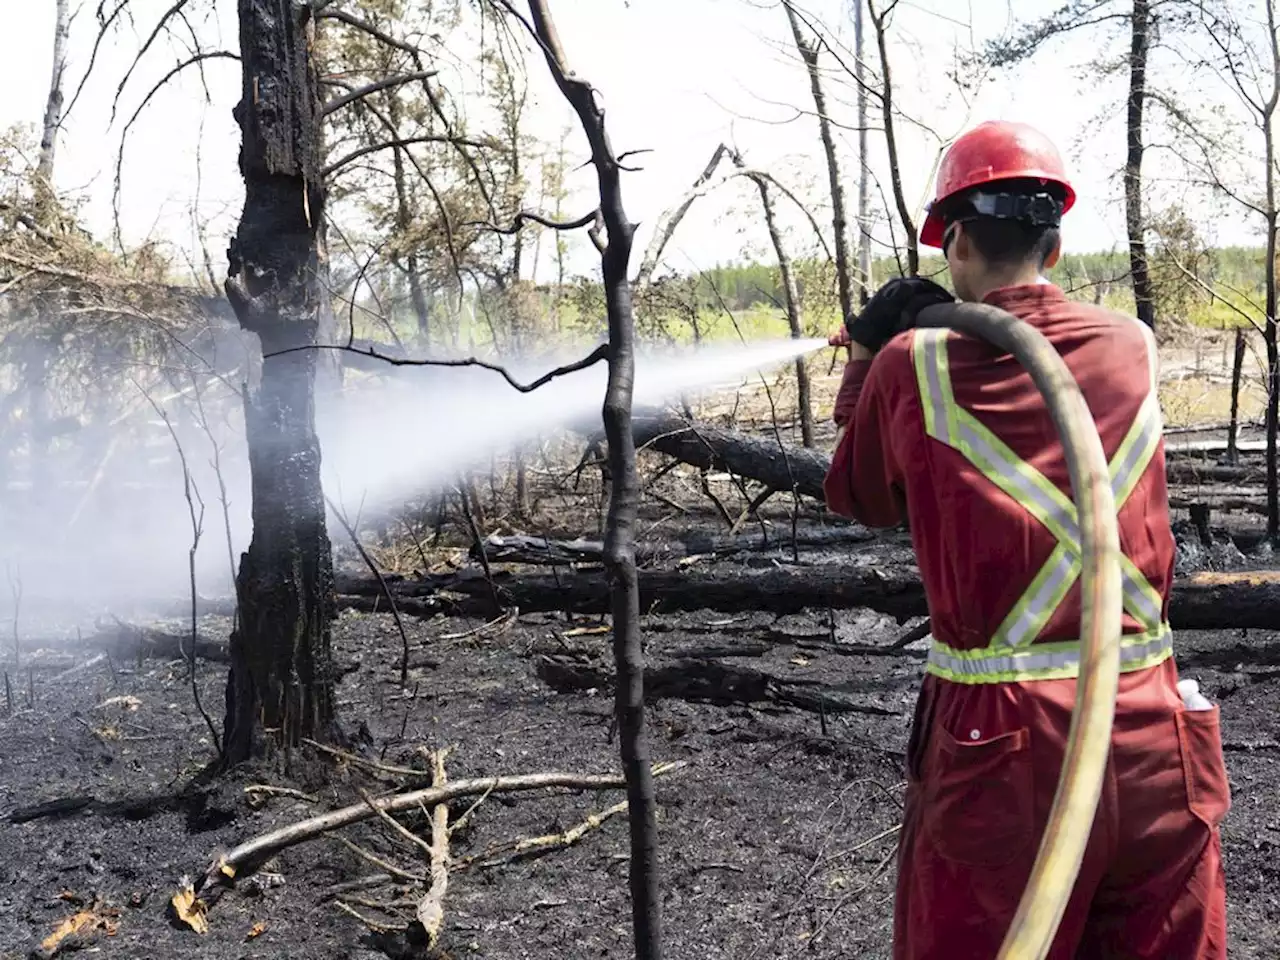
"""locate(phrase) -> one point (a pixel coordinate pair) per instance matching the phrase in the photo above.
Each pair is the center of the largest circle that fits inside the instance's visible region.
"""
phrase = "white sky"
(677, 76)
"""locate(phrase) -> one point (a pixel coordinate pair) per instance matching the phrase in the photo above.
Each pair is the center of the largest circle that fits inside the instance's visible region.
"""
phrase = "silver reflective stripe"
(1140, 600)
(1027, 489)
(1131, 463)
(1027, 625)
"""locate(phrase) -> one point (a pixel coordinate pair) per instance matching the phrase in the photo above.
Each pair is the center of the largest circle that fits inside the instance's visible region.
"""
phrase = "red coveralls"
(991, 722)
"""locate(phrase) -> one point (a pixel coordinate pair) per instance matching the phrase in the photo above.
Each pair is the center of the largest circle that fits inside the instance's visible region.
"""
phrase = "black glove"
(893, 309)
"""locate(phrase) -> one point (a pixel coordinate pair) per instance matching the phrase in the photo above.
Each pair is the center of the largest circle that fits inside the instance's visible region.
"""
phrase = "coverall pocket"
(1203, 768)
(979, 799)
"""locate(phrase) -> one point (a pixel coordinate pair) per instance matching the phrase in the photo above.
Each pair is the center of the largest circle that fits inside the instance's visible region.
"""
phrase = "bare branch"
(337, 103)
(595, 356)
(168, 15)
(397, 144)
(537, 218)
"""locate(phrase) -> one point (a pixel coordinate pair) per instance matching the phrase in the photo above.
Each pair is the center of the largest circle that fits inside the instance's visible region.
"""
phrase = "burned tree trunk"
(280, 678)
(1141, 22)
(880, 21)
(53, 108)
(839, 220)
(1233, 425)
(624, 494)
(791, 300)
(864, 162)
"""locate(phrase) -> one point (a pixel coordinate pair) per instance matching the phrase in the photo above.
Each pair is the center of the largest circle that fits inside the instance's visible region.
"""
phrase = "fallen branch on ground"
(531, 846)
(249, 855)
(429, 916)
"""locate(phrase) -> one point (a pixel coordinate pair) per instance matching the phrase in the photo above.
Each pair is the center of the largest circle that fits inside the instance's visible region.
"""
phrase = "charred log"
(708, 681)
(708, 447)
(1201, 601)
(544, 552)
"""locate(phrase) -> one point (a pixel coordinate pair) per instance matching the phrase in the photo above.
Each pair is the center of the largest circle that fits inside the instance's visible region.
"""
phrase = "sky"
(677, 77)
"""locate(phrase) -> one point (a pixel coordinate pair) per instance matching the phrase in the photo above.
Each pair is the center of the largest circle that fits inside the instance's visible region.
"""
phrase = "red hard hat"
(995, 150)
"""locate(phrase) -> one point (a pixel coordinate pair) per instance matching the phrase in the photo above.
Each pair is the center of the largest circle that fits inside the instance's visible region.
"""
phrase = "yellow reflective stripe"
(1042, 661)
(949, 423)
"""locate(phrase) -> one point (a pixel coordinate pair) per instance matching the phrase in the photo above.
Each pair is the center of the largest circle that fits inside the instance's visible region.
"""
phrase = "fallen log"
(710, 447)
(1186, 470)
(760, 458)
(1201, 601)
(706, 681)
(520, 548)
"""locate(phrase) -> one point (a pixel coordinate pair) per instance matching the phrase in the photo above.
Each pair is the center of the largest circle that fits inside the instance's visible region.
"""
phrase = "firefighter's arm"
(865, 480)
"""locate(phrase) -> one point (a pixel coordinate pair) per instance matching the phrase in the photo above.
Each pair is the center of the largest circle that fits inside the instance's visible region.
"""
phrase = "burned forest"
(416, 429)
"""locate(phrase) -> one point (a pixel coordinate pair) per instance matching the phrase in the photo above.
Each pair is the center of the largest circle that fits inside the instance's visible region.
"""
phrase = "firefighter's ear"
(1051, 260)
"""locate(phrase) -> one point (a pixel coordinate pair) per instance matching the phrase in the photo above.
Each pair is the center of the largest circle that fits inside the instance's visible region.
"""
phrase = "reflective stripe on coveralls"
(1011, 653)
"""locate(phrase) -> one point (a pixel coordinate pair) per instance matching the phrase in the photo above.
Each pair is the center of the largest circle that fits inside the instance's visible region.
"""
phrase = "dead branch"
(532, 846)
(246, 857)
(337, 103)
(398, 144)
(430, 913)
(386, 591)
(534, 217)
(195, 509)
(595, 356)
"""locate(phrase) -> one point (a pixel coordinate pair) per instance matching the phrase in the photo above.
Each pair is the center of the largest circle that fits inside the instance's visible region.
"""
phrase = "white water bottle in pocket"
(1192, 698)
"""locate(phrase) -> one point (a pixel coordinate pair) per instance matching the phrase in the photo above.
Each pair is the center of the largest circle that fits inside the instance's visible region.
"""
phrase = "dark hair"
(1007, 242)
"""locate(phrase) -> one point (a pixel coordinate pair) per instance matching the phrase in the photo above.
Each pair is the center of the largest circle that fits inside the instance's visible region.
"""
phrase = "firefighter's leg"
(1165, 898)
(973, 824)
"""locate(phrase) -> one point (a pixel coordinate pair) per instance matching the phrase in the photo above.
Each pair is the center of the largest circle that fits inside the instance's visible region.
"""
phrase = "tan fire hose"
(1089, 739)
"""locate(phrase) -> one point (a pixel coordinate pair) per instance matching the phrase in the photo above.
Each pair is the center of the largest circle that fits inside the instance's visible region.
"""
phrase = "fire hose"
(1070, 822)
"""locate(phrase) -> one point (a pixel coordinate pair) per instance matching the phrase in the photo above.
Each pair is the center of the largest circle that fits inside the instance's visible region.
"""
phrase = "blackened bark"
(281, 671)
(1233, 426)
(791, 299)
(839, 220)
(619, 538)
(1140, 34)
(404, 220)
(880, 23)
(1269, 331)
(864, 161)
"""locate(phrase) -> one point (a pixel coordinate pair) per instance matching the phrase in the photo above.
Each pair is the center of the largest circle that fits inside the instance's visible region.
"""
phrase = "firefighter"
(951, 432)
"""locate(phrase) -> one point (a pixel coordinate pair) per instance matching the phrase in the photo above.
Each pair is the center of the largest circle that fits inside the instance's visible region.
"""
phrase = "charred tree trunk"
(1233, 425)
(281, 670)
(839, 220)
(791, 297)
(624, 492)
(1141, 23)
(881, 25)
(404, 220)
(53, 108)
(1269, 331)
(864, 162)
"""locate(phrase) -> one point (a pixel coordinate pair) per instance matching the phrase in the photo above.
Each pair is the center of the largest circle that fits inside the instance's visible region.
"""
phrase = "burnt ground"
(777, 835)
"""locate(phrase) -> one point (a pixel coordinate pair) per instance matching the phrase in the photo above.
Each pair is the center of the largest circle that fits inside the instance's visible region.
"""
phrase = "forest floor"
(777, 834)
